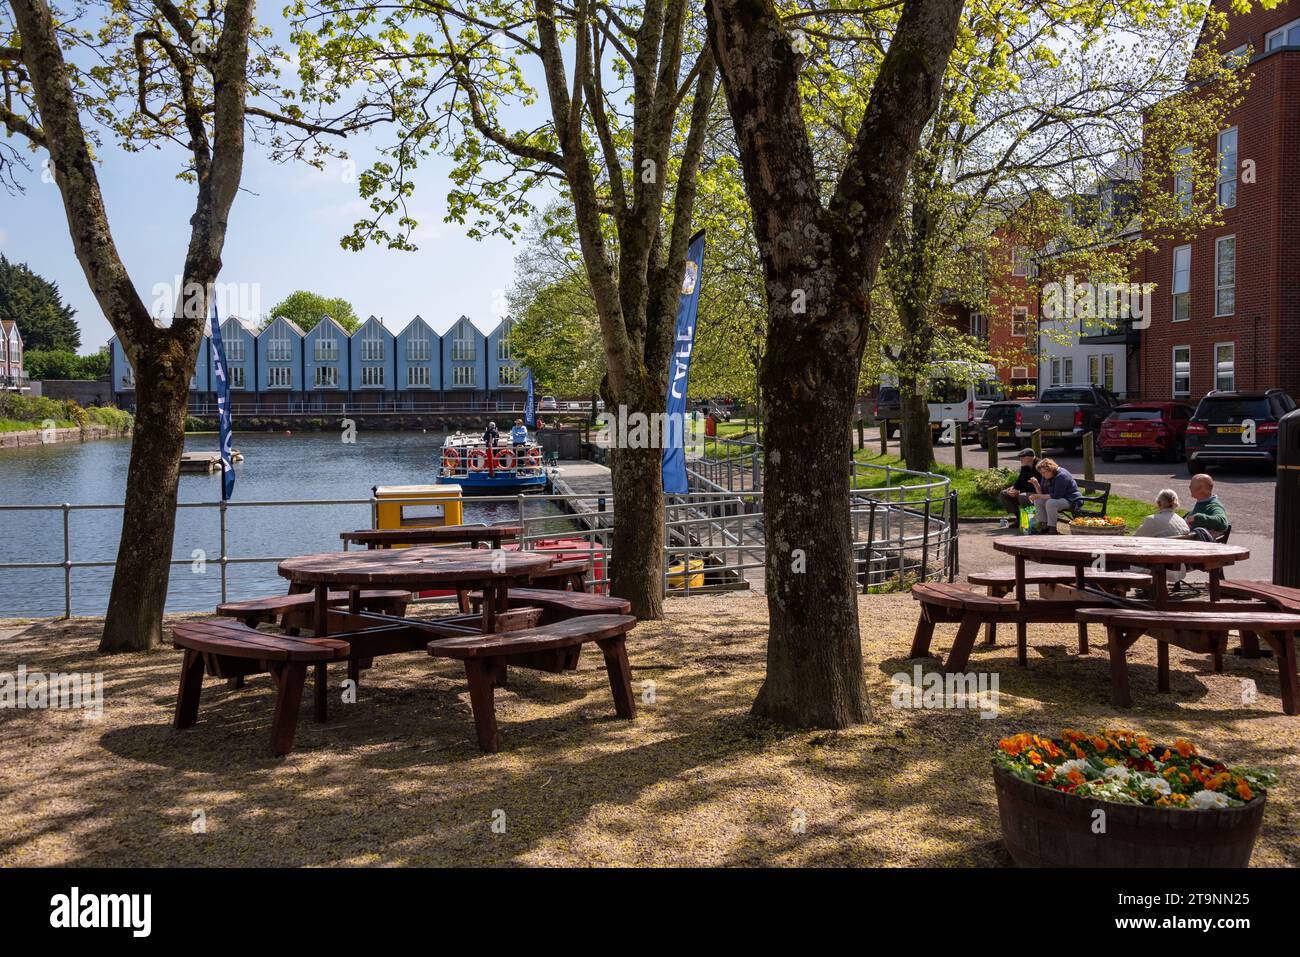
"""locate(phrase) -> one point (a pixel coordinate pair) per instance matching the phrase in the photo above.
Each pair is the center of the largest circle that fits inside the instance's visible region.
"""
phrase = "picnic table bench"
(1201, 631)
(557, 605)
(1279, 597)
(552, 647)
(294, 610)
(472, 535)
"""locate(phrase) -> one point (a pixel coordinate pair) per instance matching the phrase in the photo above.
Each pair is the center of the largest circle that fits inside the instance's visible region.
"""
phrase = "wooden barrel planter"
(1098, 529)
(1043, 827)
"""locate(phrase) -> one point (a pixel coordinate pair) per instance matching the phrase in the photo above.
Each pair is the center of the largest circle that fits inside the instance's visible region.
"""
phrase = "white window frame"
(279, 377)
(1094, 370)
(1020, 372)
(1183, 179)
(1173, 368)
(505, 352)
(372, 377)
(372, 344)
(462, 376)
(1280, 36)
(279, 347)
(326, 348)
(234, 348)
(1186, 284)
(1019, 321)
(1108, 372)
(1226, 179)
(1019, 261)
(976, 325)
(1220, 286)
(1054, 378)
(236, 374)
(1067, 370)
(327, 377)
(419, 348)
(417, 377)
(128, 376)
(1231, 364)
(462, 343)
(510, 375)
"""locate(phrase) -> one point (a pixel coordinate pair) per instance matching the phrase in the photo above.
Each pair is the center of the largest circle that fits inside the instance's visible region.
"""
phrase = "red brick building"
(1226, 306)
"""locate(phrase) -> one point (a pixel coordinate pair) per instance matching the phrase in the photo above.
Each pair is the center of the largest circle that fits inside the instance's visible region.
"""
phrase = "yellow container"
(420, 506)
(676, 580)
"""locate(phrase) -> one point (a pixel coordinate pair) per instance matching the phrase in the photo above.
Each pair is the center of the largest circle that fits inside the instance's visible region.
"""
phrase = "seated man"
(1165, 523)
(1016, 497)
(1055, 492)
(1208, 513)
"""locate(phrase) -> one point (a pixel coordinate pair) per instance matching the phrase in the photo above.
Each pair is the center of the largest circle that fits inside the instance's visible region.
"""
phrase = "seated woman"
(1166, 522)
(1054, 493)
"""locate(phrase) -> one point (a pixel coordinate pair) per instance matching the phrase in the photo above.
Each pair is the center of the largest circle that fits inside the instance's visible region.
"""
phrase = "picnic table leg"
(321, 616)
(961, 646)
(489, 607)
(1160, 586)
(991, 626)
(1162, 666)
(1020, 578)
(1249, 644)
(1216, 579)
(187, 698)
(1079, 582)
(1283, 645)
(620, 676)
(480, 701)
(289, 679)
(924, 632)
(1022, 644)
(1119, 690)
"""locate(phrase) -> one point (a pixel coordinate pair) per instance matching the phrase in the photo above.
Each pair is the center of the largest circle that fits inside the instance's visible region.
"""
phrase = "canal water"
(276, 467)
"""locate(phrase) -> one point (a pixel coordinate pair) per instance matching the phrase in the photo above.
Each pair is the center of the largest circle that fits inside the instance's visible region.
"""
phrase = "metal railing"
(902, 533)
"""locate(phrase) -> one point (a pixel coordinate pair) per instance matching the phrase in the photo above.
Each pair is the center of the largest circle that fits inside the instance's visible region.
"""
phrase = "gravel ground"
(396, 778)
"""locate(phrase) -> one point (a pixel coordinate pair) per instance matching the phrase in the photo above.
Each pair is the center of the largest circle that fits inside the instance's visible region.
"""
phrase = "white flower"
(1116, 772)
(1206, 800)
(1078, 764)
(1153, 782)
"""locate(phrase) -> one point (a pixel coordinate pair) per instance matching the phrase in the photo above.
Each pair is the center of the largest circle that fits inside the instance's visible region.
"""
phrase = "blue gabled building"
(374, 370)
(279, 361)
(419, 363)
(505, 376)
(327, 364)
(463, 372)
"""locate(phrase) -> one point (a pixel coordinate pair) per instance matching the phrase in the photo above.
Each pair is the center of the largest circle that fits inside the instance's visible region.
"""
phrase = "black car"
(1000, 416)
(1236, 427)
(888, 408)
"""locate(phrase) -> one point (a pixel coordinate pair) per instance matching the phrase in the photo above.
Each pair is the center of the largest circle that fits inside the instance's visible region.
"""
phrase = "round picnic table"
(414, 569)
(470, 535)
(1157, 555)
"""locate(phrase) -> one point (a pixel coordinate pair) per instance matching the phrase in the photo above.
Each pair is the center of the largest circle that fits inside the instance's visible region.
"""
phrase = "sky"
(283, 235)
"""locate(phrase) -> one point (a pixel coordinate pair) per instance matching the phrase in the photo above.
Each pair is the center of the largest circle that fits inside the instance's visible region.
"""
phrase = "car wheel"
(1193, 465)
(1175, 452)
(1107, 456)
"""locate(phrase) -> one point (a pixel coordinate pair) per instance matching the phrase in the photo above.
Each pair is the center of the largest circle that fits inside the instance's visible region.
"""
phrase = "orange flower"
(1218, 781)
(1078, 751)
(1167, 755)
(1243, 790)
(1034, 758)
(1014, 744)
(1101, 744)
(1185, 748)
(1076, 777)
(1144, 745)
(1178, 799)
(1169, 772)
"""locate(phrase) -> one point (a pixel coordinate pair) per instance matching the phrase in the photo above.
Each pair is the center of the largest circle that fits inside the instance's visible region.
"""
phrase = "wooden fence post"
(884, 437)
(993, 438)
(956, 450)
(1089, 464)
(1036, 441)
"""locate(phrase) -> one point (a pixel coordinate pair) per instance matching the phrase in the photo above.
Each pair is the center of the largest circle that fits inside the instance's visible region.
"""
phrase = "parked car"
(548, 404)
(1149, 429)
(1065, 414)
(889, 408)
(1000, 416)
(1236, 427)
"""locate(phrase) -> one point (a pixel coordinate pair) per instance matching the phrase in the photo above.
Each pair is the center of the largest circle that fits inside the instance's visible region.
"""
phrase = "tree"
(618, 131)
(162, 73)
(819, 259)
(44, 320)
(65, 364)
(305, 309)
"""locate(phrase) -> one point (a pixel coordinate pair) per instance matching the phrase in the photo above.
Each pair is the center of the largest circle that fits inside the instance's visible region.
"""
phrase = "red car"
(1149, 429)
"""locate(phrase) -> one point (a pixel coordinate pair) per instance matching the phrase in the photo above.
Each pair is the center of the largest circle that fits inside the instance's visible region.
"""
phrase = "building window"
(1067, 371)
(279, 377)
(462, 345)
(1019, 261)
(1287, 35)
(372, 344)
(1020, 321)
(279, 348)
(326, 350)
(372, 376)
(1056, 372)
(1108, 372)
(504, 351)
(236, 377)
(462, 375)
(417, 377)
(128, 375)
(1225, 275)
(1183, 179)
(1182, 283)
(1225, 366)
(418, 346)
(509, 375)
(327, 377)
(1182, 370)
(977, 326)
(234, 348)
(1094, 370)
(1227, 182)
(1020, 372)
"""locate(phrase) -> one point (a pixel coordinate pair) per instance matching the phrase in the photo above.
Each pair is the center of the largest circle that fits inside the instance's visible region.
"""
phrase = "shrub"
(992, 481)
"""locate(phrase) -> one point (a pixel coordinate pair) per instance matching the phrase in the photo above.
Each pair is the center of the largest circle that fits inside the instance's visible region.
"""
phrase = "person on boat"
(491, 435)
(1055, 492)
(519, 434)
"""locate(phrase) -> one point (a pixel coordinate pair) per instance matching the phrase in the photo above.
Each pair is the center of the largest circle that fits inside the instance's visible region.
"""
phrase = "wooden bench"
(554, 647)
(295, 611)
(1002, 581)
(566, 575)
(1279, 597)
(1203, 632)
(558, 605)
(226, 649)
(1096, 495)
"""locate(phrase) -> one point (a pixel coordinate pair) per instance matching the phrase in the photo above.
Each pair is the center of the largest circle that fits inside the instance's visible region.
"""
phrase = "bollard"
(1286, 503)
(993, 439)
(884, 437)
(956, 451)
(1036, 443)
(1089, 462)
(862, 439)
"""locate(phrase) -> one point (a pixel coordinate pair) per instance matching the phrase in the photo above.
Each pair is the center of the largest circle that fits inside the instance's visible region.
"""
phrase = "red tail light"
(1018, 423)
(1078, 418)
(1269, 427)
(1195, 428)
(970, 410)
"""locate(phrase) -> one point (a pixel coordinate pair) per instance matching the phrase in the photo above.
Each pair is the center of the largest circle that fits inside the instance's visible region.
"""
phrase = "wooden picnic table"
(472, 535)
(416, 569)
(1157, 555)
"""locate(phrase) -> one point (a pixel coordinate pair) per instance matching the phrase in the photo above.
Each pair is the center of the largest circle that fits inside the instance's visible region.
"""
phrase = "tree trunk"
(814, 655)
(637, 568)
(135, 605)
(915, 438)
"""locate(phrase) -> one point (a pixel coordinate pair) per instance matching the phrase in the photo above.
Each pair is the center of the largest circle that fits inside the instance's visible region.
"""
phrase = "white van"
(961, 391)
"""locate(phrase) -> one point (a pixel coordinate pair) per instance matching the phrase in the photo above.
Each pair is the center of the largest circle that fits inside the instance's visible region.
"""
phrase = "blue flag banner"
(674, 462)
(223, 408)
(530, 410)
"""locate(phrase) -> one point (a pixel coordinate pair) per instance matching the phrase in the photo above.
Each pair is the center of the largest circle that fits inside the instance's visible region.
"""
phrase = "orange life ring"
(505, 459)
(534, 457)
(477, 460)
(451, 460)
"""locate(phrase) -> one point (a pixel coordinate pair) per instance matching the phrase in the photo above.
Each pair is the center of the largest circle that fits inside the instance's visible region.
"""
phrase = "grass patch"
(971, 502)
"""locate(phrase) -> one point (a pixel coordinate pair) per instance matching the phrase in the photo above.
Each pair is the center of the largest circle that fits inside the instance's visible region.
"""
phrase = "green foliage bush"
(64, 413)
(990, 482)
